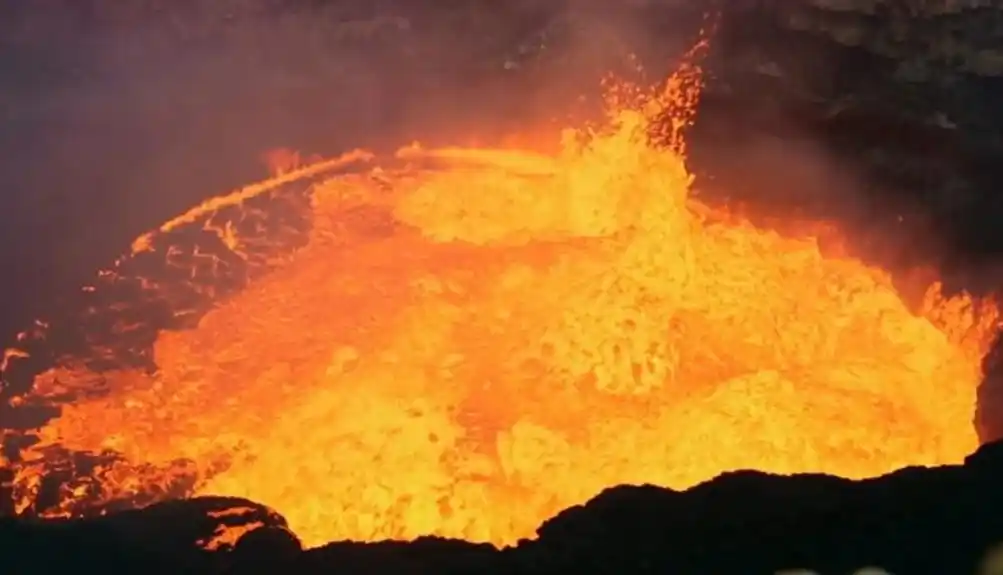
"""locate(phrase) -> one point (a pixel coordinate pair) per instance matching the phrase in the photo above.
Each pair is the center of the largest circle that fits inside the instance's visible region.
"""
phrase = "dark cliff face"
(911, 89)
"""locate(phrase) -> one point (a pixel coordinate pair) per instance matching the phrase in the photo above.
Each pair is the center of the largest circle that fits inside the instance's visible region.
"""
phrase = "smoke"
(118, 115)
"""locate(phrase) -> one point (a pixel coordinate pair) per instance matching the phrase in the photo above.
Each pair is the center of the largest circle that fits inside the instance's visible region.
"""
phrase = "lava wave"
(470, 340)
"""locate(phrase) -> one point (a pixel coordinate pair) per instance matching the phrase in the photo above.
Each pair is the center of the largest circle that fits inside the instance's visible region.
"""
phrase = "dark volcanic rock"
(165, 538)
(915, 522)
(906, 91)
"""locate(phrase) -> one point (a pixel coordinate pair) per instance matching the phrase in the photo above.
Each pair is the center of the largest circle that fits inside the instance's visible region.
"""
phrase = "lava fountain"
(471, 340)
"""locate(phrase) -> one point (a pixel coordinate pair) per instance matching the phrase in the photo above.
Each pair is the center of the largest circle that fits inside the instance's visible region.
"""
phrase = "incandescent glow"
(475, 339)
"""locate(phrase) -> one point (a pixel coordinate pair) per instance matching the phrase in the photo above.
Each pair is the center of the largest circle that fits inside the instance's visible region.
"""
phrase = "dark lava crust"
(916, 521)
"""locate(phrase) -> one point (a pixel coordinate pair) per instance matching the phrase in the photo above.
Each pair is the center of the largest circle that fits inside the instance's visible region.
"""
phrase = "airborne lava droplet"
(531, 329)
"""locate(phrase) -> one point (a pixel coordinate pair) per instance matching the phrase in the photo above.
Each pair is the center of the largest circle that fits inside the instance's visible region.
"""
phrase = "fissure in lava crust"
(465, 341)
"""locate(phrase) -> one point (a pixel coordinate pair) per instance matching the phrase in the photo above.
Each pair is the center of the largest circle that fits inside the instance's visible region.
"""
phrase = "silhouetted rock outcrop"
(171, 537)
(916, 521)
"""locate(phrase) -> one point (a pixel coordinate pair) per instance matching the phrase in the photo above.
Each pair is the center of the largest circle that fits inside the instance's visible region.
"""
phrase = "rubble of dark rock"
(917, 521)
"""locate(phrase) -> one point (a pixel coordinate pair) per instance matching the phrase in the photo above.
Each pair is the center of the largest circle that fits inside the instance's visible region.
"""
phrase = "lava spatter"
(466, 341)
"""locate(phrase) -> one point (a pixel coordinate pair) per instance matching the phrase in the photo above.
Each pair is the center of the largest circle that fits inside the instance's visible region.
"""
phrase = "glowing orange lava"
(478, 338)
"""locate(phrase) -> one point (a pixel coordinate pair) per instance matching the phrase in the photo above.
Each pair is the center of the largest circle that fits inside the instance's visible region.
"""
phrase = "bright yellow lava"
(481, 338)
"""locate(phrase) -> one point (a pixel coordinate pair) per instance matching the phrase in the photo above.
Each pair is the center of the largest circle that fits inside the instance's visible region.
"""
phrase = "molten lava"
(474, 339)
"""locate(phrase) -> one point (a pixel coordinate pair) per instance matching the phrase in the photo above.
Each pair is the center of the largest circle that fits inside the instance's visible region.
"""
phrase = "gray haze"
(114, 116)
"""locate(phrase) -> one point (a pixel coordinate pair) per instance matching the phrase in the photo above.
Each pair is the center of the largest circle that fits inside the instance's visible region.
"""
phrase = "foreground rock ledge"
(915, 521)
